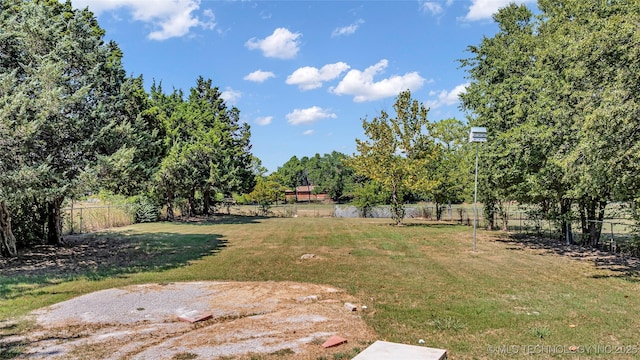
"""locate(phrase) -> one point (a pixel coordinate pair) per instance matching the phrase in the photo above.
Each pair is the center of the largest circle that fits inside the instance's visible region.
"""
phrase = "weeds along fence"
(78, 220)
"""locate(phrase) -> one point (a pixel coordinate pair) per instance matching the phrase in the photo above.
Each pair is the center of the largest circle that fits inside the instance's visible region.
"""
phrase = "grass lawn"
(419, 281)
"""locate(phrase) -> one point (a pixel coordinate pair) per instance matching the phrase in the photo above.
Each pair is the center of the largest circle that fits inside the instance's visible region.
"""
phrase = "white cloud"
(169, 19)
(484, 9)
(347, 30)
(446, 97)
(308, 132)
(309, 77)
(266, 120)
(282, 44)
(360, 84)
(309, 115)
(231, 96)
(259, 76)
(433, 7)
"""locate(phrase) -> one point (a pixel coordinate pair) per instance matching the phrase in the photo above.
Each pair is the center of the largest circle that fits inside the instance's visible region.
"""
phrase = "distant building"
(305, 193)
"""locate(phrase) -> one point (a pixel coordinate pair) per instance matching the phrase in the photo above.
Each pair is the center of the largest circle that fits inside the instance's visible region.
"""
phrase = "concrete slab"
(383, 350)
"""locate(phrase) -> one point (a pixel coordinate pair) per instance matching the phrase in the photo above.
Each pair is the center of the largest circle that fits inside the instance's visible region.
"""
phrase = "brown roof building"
(305, 193)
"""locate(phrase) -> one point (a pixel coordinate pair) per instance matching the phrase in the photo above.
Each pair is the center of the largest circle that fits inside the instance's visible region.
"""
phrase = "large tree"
(209, 149)
(57, 76)
(398, 151)
(559, 96)
(133, 143)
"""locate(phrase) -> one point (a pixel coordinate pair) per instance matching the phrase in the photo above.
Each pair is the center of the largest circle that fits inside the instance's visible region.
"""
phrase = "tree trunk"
(438, 211)
(503, 210)
(170, 214)
(597, 230)
(489, 214)
(583, 223)
(565, 224)
(206, 202)
(7, 240)
(397, 210)
(594, 214)
(54, 222)
(192, 203)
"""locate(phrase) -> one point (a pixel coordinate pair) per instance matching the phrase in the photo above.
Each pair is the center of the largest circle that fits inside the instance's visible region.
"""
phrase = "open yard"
(513, 297)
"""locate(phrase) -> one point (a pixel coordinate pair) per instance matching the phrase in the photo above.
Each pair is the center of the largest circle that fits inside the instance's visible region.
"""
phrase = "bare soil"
(250, 320)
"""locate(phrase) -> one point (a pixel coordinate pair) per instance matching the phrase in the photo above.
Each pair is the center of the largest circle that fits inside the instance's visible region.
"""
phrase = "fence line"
(78, 220)
(615, 231)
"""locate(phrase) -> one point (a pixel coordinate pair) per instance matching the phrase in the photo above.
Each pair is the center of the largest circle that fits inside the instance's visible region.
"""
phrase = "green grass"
(419, 281)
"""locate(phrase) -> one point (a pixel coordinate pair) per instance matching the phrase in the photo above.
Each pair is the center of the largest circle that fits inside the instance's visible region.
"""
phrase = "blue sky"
(303, 73)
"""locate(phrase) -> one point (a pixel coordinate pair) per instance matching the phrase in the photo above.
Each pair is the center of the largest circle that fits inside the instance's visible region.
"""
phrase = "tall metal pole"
(476, 135)
(475, 199)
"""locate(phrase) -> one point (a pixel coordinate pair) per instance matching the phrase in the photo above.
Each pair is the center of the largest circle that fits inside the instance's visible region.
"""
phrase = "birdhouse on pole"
(478, 134)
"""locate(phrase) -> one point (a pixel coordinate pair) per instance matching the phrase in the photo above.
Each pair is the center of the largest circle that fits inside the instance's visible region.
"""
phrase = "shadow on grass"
(620, 266)
(100, 255)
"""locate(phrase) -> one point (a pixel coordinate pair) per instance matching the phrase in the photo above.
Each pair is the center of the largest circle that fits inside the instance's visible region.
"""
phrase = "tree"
(558, 94)
(595, 75)
(398, 151)
(501, 96)
(327, 173)
(134, 142)
(266, 192)
(57, 77)
(367, 196)
(450, 169)
(209, 149)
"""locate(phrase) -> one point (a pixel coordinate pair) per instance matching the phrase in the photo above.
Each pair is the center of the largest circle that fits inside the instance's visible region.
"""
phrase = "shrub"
(367, 197)
(145, 210)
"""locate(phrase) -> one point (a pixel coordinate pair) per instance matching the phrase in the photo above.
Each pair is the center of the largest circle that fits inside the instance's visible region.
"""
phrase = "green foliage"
(145, 210)
(209, 149)
(367, 196)
(267, 192)
(558, 95)
(448, 323)
(398, 152)
(540, 332)
(327, 173)
(58, 79)
(450, 169)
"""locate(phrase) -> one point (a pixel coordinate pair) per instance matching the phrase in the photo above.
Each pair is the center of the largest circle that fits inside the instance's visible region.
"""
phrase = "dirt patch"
(249, 320)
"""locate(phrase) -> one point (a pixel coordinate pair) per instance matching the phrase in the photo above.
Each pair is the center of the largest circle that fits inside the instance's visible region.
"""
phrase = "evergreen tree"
(57, 78)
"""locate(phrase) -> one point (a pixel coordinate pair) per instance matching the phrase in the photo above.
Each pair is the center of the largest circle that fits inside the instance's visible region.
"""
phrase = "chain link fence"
(85, 219)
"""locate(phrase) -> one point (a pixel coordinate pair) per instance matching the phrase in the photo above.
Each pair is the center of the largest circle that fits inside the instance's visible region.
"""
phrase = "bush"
(145, 210)
(632, 246)
(367, 197)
